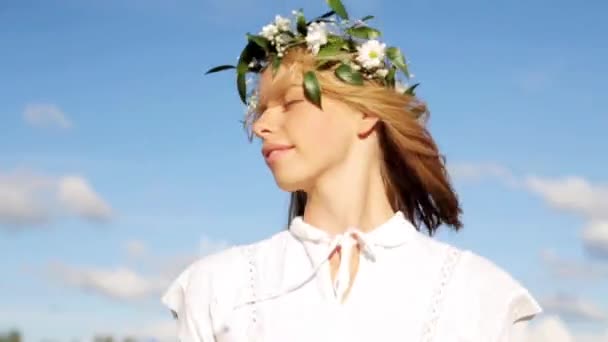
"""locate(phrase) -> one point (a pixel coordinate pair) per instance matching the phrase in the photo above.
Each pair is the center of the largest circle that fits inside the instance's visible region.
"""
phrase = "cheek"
(317, 134)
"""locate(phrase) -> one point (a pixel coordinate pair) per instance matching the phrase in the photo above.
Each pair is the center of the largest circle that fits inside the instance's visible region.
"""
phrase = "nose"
(265, 124)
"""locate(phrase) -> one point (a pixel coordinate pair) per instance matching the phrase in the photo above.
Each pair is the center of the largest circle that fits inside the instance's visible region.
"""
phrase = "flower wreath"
(334, 40)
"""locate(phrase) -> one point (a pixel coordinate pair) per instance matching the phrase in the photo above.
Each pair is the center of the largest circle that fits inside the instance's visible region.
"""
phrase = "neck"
(350, 195)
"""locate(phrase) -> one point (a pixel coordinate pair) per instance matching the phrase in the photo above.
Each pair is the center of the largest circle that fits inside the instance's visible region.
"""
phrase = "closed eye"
(292, 102)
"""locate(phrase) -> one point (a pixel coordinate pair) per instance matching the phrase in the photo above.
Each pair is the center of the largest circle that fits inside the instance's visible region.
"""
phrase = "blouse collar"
(319, 245)
(393, 233)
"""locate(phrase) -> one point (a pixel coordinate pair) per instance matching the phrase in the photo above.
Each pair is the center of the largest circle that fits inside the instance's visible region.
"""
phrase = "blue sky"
(120, 162)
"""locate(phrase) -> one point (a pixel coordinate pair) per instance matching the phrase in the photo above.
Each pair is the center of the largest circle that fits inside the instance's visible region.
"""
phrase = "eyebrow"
(263, 104)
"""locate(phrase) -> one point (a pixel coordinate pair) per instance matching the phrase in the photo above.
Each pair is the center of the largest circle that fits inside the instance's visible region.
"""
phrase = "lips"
(272, 152)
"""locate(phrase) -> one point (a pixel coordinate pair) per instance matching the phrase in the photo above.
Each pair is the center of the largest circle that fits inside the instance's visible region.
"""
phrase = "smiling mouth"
(273, 154)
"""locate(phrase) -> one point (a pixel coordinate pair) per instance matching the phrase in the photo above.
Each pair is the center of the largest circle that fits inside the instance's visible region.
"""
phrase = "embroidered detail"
(447, 269)
(252, 291)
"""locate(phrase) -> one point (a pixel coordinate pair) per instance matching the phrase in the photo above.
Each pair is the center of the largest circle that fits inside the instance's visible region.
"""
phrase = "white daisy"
(382, 73)
(252, 102)
(371, 54)
(283, 24)
(400, 87)
(316, 36)
(269, 31)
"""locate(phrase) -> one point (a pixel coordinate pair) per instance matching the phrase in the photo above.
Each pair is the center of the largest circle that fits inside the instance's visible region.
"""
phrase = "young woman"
(368, 190)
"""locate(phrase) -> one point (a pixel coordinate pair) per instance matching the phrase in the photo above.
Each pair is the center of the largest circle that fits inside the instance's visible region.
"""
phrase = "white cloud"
(153, 331)
(135, 248)
(118, 283)
(481, 171)
(77, 195)
(579, 196)
(539, 78)
(590, 337)
(572, 194)
(553, 329)
(571, 269)
(550, 329)
(595, 238)
(22, 198)
(28, 198)
(574, 308)
(162, 331)
(209, 246)
(45, 114)
(126, 283)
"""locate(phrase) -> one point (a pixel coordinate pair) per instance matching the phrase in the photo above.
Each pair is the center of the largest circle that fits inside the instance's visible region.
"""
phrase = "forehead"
(284, 81)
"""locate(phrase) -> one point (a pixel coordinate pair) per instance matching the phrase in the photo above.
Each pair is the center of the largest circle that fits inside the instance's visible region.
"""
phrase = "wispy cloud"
(24, 198)
(574, 308)
(540, 78)
(161, 331)
(571, 194)
(76, 194)
(117, 283)
(467, 172)
(28, 198)
(135, 249)
(564, 268)
(553, 329)
(578, 196)
(595, 238)
(46, 114)
(126, 283)
(157, 331)
(550, 329)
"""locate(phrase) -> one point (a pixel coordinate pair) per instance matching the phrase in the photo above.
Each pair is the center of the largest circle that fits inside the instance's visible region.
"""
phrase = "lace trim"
(447, 269)
(252, 329)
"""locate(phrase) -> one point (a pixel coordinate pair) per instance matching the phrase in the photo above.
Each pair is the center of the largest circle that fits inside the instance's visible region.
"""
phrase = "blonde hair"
(414, 172)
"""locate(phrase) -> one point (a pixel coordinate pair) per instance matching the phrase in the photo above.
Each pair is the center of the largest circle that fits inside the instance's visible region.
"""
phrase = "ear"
(366, 124)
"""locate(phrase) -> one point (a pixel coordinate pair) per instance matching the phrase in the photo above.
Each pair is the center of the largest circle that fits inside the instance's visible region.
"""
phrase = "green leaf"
(338, 7)
(251, 51)
(390, 77)
(219, 68)
(276, 64)
(398, 60)
(312, 89)
(301, 24)
(367, 17)
(241, 84)
(330, 50)
(326, 64)
(348, 75)
(260, 41)
(334, 39)
(320, 18)
(327, 15)
(410, 89)
(364, 32)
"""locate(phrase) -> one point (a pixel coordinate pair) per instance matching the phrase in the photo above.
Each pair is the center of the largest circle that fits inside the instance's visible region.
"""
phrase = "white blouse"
(409, 287)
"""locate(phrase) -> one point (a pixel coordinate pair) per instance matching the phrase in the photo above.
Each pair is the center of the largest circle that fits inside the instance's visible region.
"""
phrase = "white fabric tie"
(345, 242)
(391, 234)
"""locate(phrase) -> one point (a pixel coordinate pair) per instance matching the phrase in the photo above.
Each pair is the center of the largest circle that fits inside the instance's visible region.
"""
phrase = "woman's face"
(301, 142)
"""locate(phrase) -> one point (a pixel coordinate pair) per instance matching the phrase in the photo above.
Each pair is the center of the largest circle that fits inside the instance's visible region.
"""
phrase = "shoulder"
(474, 277)
(218, 279)
(492, 283)
(491, 298)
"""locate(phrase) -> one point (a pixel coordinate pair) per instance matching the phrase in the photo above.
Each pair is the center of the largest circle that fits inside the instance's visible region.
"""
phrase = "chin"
(288, 185)
(290, 181)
